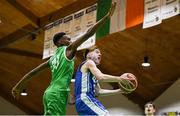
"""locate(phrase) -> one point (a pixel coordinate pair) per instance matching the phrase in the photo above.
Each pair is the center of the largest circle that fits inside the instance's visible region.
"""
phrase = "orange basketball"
(128, 83)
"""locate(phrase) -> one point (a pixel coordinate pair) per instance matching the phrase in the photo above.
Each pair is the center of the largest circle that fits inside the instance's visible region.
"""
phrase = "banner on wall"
(57, 27)
(78, 25)
(89, 21)
(152, 13)
(170, 8)
(47, 40)
(49, 32)
(67, 25)
(74, 25)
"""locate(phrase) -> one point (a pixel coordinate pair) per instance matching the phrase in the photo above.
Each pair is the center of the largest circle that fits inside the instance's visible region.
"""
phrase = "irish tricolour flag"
(128, 13)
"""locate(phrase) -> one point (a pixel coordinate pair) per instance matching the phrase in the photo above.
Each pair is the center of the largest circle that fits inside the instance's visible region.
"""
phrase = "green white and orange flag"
(128, 13)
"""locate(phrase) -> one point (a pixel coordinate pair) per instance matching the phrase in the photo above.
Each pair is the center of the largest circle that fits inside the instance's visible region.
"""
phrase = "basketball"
(128, 83)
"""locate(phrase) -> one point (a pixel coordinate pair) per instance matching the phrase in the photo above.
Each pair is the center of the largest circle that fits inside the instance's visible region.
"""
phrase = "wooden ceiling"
(21, 46)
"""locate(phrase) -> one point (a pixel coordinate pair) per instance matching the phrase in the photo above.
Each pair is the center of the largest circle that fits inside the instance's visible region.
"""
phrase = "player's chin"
(97, 63)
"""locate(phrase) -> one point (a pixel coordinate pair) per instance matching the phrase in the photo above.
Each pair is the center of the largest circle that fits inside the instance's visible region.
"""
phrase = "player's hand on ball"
(128, 82)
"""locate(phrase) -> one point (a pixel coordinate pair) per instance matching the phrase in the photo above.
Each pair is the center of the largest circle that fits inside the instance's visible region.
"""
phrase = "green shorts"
(55, 102)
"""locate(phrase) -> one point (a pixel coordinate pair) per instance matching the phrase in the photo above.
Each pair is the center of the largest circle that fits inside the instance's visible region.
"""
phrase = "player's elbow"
(100, 77)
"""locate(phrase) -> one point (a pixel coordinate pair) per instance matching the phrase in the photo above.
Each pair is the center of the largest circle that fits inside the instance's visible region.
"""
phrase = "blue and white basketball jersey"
(86, 103)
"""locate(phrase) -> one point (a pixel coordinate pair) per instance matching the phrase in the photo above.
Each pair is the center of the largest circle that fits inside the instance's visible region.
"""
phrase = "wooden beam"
(21, 52)
(22, 33)
(25, 11)
(67, 10)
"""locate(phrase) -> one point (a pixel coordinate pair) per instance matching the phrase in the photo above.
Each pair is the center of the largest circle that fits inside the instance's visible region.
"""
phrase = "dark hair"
(150, 103)
(89, 50)
(57, 37)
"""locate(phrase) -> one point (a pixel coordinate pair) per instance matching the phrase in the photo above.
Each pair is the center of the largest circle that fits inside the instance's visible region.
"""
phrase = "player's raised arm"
(90, 32)
(17, 89)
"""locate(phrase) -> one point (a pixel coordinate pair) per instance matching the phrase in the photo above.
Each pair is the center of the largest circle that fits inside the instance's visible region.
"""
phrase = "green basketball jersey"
(62, 70)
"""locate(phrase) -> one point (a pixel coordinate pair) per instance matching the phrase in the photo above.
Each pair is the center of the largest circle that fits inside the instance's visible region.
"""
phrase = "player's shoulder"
(90, 63)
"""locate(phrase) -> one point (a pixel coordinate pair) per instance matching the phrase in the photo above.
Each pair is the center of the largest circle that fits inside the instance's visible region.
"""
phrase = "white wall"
(120, 105)
(8, 108)
(169, 101)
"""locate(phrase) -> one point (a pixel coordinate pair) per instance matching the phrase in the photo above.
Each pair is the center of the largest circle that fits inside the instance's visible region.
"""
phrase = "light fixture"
(1, 19)
(146, 63)
(24, 93)
(146, 58)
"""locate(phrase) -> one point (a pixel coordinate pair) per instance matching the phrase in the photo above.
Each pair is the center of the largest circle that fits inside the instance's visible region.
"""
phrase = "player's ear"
(89, 55)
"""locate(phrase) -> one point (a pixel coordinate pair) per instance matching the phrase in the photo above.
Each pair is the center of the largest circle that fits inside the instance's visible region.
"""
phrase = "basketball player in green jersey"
(62, 67)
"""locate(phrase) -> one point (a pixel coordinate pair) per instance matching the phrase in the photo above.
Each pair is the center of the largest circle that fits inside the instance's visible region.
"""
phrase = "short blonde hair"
(89, 50)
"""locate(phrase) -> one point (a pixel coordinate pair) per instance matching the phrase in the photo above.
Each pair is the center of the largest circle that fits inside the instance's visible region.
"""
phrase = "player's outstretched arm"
(17, 89)
(99, 75)
(91, 31)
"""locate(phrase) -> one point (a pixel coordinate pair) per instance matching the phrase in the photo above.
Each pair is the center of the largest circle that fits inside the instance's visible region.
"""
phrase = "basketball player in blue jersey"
(87, 86)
